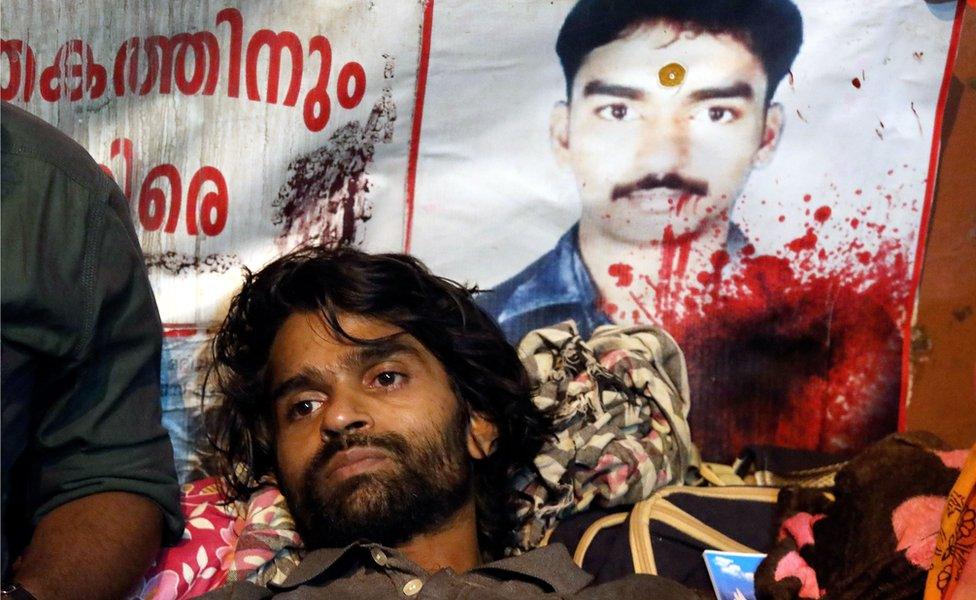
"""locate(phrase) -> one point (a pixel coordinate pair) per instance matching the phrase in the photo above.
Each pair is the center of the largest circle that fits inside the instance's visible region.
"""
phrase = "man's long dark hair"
(485, 371)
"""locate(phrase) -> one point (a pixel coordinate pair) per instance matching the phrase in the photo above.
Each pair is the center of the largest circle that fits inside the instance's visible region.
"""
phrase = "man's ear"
(482, 435)
(772, 132)
(559, 132)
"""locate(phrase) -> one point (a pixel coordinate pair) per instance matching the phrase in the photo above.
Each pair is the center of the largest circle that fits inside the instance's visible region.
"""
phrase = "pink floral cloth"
(254, 540)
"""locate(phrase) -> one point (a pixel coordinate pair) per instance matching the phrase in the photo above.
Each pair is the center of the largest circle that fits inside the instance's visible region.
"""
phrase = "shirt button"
(379, 557)
(412, 587)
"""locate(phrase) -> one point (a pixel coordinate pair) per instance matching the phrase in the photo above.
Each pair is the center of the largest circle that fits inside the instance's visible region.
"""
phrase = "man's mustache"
(395, 444)
(671, 181)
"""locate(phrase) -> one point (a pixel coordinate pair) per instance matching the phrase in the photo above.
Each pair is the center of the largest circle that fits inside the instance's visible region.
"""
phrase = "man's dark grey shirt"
(371, 571)
(80, 339)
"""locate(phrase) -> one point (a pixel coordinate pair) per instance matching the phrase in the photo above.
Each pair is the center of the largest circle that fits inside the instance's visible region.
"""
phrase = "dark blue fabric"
(558, 287)
(554, 288)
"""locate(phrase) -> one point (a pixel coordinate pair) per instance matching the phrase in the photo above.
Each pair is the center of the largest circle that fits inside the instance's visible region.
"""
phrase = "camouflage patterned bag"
(621, 410)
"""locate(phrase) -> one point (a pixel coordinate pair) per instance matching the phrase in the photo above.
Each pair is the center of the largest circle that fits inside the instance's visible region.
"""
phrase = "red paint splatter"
(807, 242)
(748, 250)
(719, 259)
(783, 349)
(324, 199)
(856, 83)
(782, 218)
(675, 251)
(858, 191)
(822, 214)
(807, 359)
(807, 197)
(624, 274)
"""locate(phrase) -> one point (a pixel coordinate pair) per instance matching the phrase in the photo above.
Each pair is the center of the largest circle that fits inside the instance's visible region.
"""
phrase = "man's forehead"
(355, 326)
(308, 334)
(644, 48)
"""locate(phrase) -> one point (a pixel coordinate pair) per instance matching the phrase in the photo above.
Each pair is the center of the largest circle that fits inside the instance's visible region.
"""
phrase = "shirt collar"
(314, 564)
(550, 565)
(736, 240)
(559, 277)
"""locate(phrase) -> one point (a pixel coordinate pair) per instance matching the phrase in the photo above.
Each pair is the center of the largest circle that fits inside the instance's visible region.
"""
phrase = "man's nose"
(663, 146)
(345, 412)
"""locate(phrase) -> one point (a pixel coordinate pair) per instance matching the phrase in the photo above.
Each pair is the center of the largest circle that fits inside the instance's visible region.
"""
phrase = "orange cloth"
(953, 572)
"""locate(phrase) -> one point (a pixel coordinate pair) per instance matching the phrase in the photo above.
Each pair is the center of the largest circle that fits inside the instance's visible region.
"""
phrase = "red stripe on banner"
(179, 329)
(927, 213)
(418, 117)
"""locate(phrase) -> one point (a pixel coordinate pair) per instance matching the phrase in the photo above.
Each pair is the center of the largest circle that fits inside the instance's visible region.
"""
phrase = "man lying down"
(393, 414)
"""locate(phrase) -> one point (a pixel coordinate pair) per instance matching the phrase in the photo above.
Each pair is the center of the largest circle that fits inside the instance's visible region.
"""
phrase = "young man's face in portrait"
(663, 128)
(371, 441)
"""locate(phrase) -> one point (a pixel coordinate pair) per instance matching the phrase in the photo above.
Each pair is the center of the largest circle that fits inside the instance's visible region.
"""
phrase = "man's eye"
(719, 114)
(616, 112)
(389, 379)
(303, 408)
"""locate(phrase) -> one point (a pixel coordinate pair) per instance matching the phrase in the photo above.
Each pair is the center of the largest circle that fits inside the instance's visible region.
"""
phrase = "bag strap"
(590, 534)
(658, 508)
(719, 475)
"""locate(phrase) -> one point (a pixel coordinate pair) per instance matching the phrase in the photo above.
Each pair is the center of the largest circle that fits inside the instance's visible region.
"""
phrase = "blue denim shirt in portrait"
(558, 287)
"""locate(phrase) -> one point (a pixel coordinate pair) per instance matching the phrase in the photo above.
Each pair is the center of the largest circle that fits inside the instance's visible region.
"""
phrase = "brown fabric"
(856, 546)
(366, 570)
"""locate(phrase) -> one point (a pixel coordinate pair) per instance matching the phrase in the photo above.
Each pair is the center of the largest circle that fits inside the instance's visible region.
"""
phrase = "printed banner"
(754, 179)
(750, 176)
(237, 132)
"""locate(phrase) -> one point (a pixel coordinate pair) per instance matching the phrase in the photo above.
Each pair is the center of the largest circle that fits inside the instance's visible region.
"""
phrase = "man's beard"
(428, 483)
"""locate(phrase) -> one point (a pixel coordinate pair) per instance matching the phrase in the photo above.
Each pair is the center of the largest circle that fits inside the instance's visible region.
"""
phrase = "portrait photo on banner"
(751, 177)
